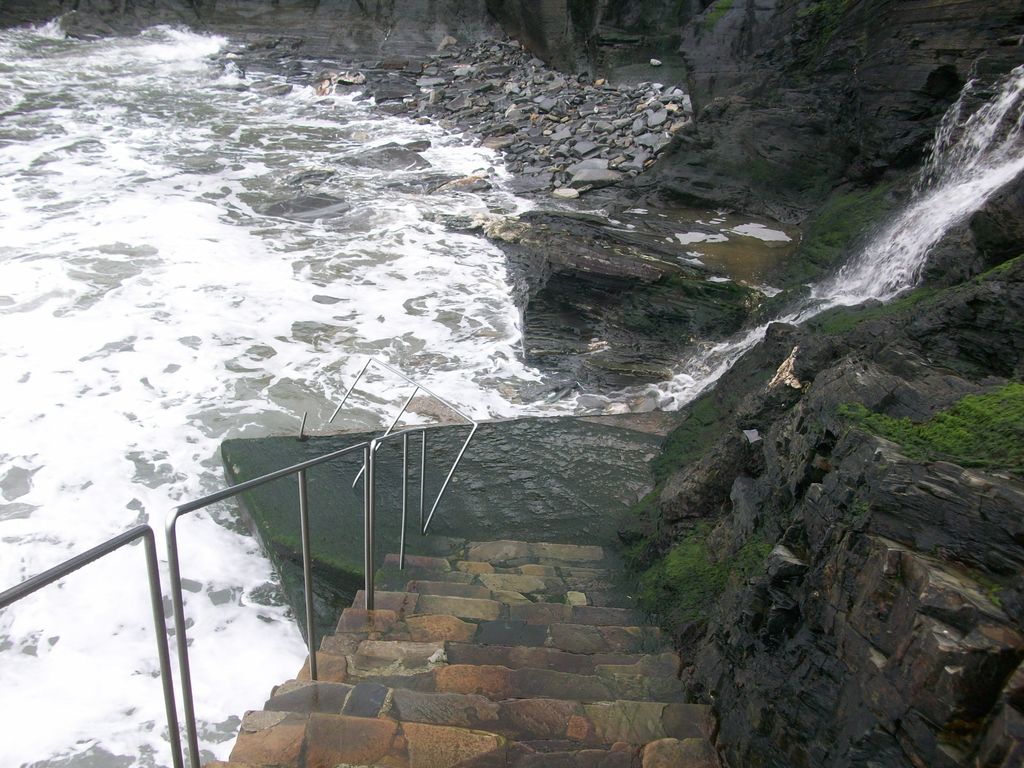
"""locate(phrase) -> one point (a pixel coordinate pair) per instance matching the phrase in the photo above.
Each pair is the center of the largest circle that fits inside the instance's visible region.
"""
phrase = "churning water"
(974, 155)
(148, 310)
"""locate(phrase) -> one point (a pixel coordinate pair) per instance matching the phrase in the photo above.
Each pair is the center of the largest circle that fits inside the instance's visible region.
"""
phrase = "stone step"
(652, 677)
(448, 589)
(456, 570)
(497, 682)
(510, 553)
(515, 586)
(562, 613)
(406, 604)
(663, 753)
(604, 722)
(516, 657)
(271, 739)
(576, 638)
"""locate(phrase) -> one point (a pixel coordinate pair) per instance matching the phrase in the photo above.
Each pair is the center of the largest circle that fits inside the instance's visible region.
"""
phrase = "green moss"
(819, 20)
(831, 234)
(684, 586)
(1000, 269)
(990, 588)
(716, 12)
(845, 319)
(687, 442)
(978, 431)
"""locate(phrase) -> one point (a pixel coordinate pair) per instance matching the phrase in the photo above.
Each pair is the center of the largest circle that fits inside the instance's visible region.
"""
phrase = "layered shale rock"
(868, 582)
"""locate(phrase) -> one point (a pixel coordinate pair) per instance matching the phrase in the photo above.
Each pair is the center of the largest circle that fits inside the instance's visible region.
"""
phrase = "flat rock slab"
(551, 479)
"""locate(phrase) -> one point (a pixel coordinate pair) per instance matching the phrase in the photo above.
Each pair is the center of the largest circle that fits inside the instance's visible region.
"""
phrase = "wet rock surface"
(616, 301)
(886, 624)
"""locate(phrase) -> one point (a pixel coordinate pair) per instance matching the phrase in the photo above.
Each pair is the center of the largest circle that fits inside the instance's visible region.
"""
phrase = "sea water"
(150, 308)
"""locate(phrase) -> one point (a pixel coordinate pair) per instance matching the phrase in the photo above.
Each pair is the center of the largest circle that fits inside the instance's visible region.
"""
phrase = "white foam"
(148, 311)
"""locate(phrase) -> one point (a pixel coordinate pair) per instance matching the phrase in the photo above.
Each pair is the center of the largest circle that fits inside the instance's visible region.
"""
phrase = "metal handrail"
(417, 387)
(174, 566)
(61, 570)
(369, 449)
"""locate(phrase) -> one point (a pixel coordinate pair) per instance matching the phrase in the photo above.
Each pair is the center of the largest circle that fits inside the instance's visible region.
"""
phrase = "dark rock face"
(561, 32)
(886, 627)
(795, 96)
(992, 236)
(614, 304)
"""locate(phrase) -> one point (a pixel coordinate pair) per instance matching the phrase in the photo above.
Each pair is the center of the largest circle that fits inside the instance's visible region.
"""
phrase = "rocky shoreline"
(567, 134)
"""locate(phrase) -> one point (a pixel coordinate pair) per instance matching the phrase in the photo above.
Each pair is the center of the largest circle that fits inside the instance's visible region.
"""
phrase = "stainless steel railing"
(369, 449)
(417, 387)
(156, 599)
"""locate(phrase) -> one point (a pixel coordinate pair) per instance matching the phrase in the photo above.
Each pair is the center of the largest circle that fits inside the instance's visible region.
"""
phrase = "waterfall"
(970, 160)
(974, 155)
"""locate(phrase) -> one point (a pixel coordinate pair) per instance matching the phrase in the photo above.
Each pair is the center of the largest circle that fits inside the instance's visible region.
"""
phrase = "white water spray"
(972, 158)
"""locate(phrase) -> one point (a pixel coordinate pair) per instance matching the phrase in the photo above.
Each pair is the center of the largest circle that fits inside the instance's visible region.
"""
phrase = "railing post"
(156, 599)
(307, 571)
(423, 478)
(405, 499)
(368, 499)
(181, 640)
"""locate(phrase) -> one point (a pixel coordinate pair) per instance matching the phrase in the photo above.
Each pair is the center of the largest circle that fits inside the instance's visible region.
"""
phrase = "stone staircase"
(502, 654)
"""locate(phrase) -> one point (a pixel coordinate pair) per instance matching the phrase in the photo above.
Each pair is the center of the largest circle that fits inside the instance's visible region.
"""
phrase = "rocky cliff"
(837, 538)
(797, 97)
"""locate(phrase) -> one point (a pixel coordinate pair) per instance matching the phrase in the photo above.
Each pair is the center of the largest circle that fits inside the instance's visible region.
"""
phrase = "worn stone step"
(516, 656)
(510, 587)
(411, 603)
(448, 589)
(395, 579)
(603, 722)
(478, 609)
(314, 740)
(624, 675)
(663, 753)
(563, 613)
(497, 682)
(556, 754)
(512, 553)
(576, 638)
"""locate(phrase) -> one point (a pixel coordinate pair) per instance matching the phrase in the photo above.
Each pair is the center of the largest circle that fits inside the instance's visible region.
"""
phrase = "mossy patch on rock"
(717, 12)
(683, 587)
(818, 22)
(844, 219)
(844, 319)
(978, 431)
